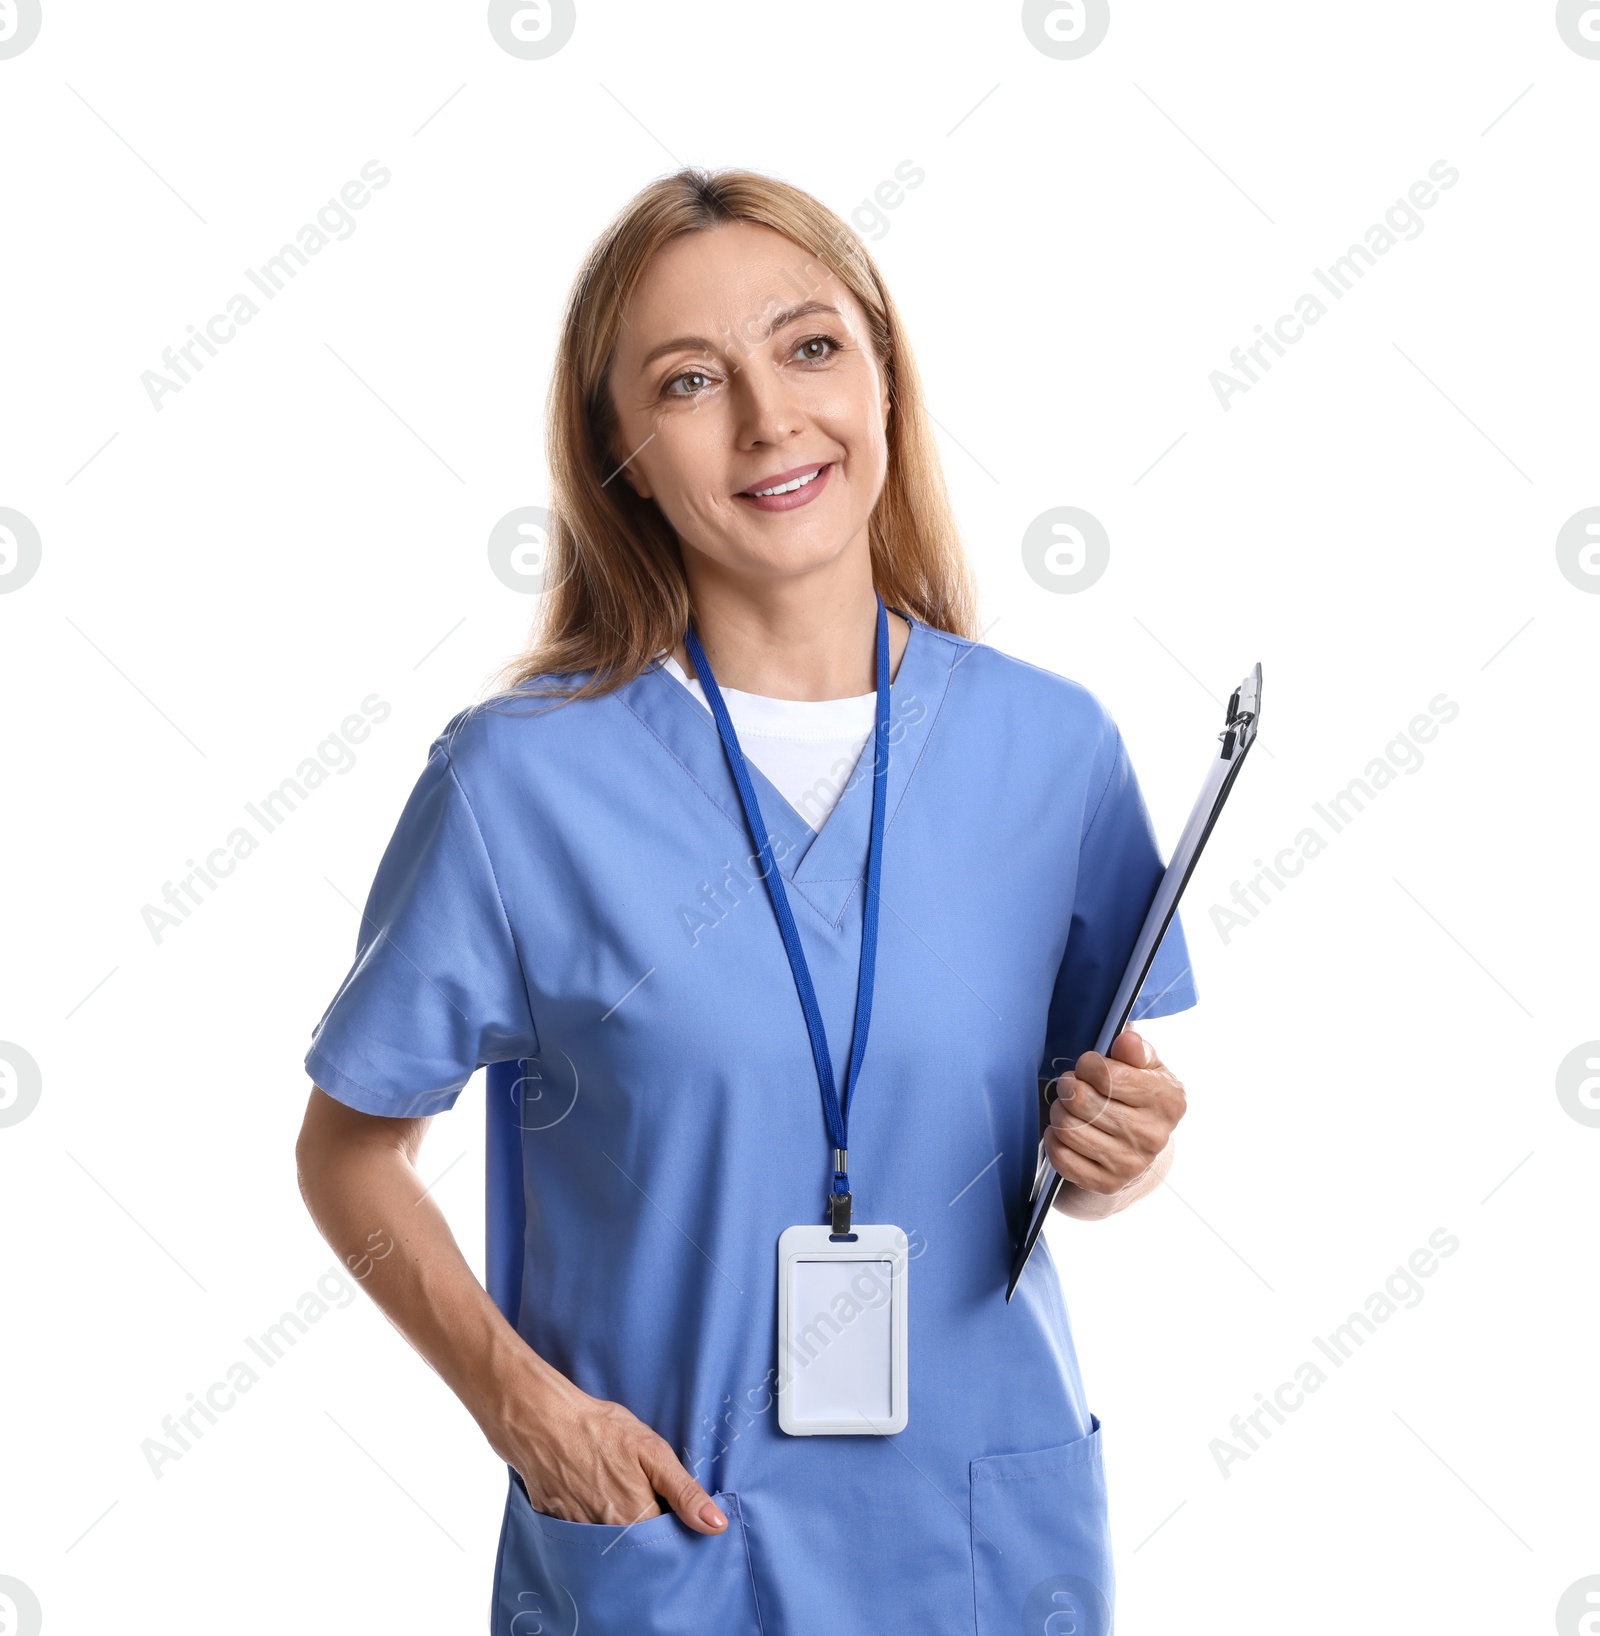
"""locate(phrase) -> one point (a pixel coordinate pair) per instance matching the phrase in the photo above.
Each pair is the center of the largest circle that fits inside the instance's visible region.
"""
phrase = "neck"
(811, 636)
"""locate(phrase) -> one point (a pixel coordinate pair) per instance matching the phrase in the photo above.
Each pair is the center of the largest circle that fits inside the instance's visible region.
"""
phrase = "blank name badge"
(842, 1331)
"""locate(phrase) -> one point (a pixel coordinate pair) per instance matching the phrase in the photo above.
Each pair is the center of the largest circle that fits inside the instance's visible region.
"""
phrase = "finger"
(1107, 1071)
(1133, 1093)
(1121, 1081)
(1093, 1069)
(1135, 1050)
(1113, 1160)
(1103, 1147)
(1081, 1169)
(680, 1490)
(1117, 1135)
(1077, 1100)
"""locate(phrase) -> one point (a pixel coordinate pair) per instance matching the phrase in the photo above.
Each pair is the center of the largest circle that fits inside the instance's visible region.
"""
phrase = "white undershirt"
(807, 747)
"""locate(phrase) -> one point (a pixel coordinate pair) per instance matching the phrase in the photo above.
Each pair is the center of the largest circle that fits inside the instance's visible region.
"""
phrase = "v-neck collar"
(824, 868)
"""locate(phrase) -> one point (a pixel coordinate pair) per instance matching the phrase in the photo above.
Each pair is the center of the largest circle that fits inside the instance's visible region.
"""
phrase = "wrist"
(512, 1390)
(1083, 1204)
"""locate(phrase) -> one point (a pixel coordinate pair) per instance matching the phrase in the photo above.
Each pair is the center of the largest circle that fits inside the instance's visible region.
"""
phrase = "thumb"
(1133, 1049)
(686, 1497)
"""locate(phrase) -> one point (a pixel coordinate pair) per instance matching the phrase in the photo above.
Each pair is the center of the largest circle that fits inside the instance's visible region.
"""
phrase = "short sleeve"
(1119, 867)
(437, 989)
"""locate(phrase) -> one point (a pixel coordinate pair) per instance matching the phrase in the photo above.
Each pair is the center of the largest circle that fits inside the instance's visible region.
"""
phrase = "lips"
(780, 478)
(810, 481)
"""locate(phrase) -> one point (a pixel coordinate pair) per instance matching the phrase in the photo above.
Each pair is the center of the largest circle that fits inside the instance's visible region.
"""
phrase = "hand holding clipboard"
(1237, 735)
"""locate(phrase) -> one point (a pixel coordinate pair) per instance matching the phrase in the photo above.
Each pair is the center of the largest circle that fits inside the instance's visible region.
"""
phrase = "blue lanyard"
(835, 1111)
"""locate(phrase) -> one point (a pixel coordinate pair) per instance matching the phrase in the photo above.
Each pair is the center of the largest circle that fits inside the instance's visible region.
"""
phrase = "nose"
(767, 409)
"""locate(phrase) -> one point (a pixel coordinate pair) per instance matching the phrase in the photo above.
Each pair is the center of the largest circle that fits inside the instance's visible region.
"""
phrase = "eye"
(698, 376)
(827, 341)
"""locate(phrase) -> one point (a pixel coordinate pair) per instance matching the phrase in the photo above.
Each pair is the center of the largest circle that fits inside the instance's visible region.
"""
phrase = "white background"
(1374, 1056)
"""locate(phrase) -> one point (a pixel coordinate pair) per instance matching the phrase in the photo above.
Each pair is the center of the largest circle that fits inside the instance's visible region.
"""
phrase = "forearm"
(1083, 1205)
(372, 1207)
(580, 1458)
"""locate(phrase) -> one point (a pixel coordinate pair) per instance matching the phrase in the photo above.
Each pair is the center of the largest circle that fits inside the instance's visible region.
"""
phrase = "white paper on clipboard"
(1237, 735)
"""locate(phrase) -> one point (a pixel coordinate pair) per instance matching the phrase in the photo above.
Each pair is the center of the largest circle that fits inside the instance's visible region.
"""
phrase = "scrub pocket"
(1041, 1548)
(655, 1578)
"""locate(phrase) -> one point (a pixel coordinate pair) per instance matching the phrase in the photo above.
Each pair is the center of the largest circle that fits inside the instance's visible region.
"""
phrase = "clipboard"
(1237, 735)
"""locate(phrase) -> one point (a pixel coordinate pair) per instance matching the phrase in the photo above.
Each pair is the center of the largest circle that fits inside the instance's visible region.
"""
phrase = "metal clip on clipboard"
(1237, 735)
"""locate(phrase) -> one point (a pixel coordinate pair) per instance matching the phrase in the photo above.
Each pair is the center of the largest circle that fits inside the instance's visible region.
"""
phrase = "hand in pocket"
(584, 1459)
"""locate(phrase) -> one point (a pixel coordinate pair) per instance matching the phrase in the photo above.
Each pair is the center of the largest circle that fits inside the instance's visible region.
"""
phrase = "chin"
(783, 558)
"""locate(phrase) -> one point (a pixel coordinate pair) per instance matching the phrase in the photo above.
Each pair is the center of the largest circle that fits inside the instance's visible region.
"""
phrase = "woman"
(626, 870)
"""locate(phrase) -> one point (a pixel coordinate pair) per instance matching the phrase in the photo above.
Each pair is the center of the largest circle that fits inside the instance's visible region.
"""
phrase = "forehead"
(721, 283)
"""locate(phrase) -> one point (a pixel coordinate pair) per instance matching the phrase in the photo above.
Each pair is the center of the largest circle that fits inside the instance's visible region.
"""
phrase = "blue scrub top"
(571, 888)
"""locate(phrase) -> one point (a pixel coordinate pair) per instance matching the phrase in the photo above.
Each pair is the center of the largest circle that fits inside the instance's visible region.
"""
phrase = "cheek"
(871, 439)
(858, 429)
(686, 459)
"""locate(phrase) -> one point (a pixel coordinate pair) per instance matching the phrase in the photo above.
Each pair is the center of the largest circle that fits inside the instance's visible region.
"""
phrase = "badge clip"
(839, 1199)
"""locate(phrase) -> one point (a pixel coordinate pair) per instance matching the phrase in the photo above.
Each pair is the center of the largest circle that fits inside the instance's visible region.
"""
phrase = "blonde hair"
(617, 595)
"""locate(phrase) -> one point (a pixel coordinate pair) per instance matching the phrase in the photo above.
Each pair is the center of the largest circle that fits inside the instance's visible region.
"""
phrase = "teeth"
(789, 488)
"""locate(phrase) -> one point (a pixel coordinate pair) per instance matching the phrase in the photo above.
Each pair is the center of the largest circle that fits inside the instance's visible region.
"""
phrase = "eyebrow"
(698, 343)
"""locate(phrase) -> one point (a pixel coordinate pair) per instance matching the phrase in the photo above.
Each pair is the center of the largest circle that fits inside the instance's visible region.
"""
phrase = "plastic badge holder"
(842, 1314)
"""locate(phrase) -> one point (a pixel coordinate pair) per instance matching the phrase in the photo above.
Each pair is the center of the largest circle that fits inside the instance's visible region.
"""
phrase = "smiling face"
(744, 365)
